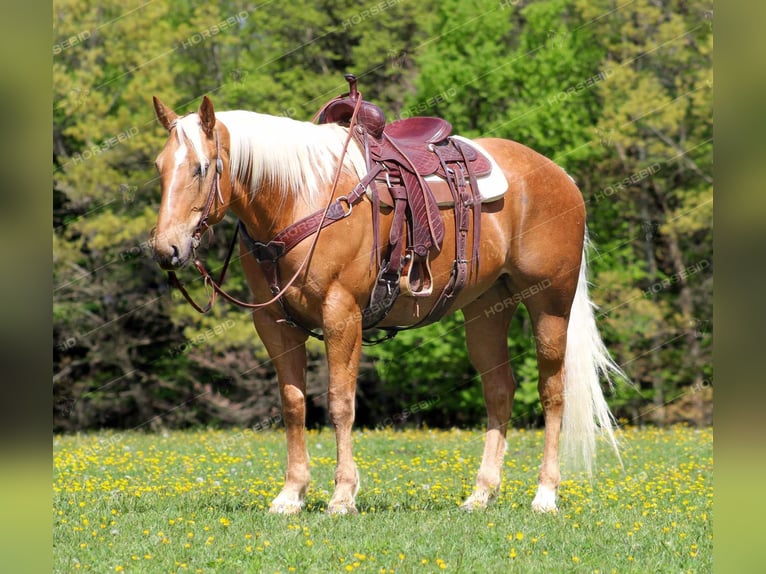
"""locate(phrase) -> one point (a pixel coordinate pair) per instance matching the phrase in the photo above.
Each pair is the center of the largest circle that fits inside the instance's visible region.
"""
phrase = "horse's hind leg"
(486, 327)
(550, 321)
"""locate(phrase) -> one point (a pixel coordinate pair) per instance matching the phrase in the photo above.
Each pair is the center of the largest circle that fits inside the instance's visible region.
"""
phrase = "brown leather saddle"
(402, 154)
(399, 156)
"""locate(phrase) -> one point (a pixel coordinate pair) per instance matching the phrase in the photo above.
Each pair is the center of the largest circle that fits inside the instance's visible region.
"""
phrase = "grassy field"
(197, 501)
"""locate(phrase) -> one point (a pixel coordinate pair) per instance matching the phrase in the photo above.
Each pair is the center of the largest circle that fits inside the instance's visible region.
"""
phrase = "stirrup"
(416, 279)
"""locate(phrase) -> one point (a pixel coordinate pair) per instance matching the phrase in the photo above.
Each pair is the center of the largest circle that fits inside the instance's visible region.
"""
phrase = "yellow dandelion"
(512, 553)
(576, 559)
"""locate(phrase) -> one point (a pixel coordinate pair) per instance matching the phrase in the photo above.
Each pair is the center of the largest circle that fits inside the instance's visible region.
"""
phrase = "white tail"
(586, 361)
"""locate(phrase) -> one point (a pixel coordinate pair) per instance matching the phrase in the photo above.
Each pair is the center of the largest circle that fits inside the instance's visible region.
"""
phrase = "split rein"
(203, 226)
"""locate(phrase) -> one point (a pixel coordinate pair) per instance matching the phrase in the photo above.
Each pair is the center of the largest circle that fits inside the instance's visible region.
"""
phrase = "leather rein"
(267, 254)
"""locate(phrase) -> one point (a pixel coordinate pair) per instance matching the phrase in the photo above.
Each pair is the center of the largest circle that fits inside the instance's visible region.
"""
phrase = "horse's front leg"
(342, 324)
(287, 348)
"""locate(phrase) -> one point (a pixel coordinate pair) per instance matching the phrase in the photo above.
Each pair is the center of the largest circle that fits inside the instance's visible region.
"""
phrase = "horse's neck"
(267, 211)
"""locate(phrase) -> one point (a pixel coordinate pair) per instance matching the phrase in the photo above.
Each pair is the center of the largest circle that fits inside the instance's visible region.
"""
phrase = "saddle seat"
(418, 131)
(410, 141)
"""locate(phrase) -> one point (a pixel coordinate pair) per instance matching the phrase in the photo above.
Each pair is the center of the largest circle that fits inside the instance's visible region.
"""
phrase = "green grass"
(197, 502)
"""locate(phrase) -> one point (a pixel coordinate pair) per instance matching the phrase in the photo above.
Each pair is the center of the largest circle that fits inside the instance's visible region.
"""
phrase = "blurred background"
(618, 94)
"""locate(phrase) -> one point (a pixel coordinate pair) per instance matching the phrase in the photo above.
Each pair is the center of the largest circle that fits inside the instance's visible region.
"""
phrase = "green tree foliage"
(618, 95)
(654, 199)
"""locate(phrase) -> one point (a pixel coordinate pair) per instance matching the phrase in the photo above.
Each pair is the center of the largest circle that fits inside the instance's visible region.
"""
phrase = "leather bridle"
(215, 191)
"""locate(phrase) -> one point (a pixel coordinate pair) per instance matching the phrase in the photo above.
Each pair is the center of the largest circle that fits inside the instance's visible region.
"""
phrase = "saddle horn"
(340, 110)
(353, 93)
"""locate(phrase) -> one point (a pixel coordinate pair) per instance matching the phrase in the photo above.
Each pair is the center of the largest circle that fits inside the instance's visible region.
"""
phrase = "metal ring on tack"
(348, 203)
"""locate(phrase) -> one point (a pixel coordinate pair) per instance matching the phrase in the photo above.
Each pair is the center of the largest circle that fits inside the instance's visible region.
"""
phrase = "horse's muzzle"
(169, 255)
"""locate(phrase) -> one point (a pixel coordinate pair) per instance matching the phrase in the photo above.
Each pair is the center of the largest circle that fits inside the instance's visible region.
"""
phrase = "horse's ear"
(207, 116)
(166, 116)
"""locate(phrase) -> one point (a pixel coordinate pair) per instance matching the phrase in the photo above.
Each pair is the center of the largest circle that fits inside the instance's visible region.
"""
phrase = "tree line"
(619, 95)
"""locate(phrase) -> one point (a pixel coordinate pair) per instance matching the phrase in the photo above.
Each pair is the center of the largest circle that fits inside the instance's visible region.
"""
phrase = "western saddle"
(399, 157)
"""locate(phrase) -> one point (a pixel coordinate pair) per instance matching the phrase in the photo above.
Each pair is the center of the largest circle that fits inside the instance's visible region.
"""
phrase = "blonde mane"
(296, 158)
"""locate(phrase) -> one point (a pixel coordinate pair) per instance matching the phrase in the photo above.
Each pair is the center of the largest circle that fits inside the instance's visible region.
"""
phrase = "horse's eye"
(198, 170)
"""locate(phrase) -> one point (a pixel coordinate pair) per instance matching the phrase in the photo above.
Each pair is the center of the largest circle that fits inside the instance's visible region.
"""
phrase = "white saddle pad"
(492, 186)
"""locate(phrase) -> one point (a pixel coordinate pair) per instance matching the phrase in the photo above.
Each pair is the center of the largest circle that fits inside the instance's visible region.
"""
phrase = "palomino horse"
(272, 171)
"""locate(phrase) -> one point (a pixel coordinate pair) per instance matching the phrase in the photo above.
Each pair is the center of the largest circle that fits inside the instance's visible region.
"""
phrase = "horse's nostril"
(175, 260)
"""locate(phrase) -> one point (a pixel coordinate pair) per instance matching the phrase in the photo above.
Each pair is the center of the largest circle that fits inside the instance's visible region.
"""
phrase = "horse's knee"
(293, 404)
(341, 409)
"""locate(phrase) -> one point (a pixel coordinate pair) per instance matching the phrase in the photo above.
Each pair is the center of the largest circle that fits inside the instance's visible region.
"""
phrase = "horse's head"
(195, 183)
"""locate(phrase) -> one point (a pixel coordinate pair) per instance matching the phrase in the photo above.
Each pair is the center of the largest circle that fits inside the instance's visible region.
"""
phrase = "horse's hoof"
(472, 506)
(342, 509)
(477, 501)
(544, 508)
(545, 500)
(286, 507)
